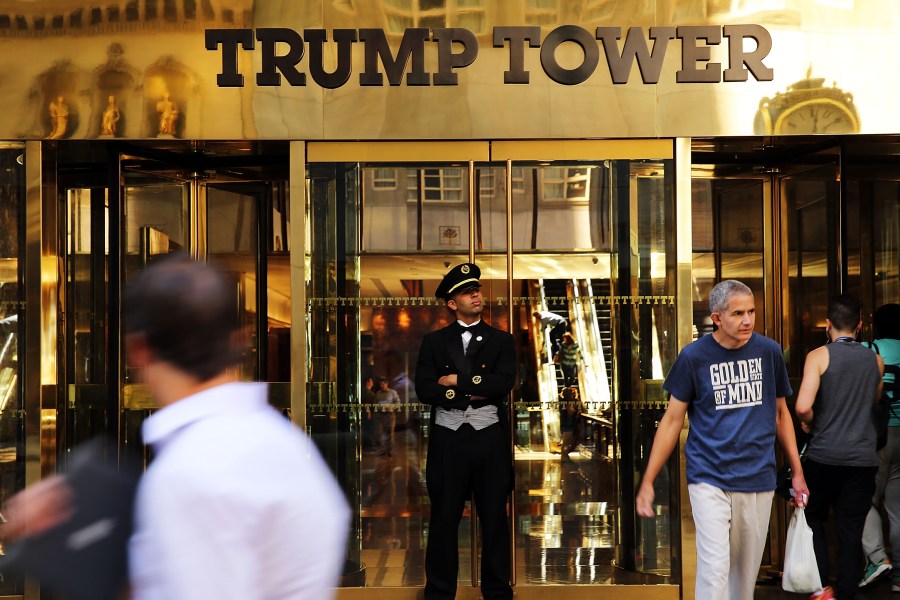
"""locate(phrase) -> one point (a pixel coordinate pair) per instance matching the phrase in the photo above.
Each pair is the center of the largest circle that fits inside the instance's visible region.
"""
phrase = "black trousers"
(460, 464)
(848, 492)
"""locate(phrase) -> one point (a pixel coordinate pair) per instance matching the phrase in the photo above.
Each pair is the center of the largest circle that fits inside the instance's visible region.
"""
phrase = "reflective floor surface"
(774, 592)
(564, 525)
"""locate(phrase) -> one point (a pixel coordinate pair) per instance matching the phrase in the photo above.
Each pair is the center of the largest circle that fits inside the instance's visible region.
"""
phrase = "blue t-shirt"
(732, 405)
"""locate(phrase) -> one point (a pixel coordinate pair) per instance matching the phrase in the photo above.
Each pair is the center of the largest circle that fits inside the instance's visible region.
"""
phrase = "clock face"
(817, 116)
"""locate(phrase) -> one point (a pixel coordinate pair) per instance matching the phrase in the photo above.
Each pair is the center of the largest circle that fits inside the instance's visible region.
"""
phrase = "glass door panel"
(596, 257)
(232, 244)
(873, 236)
(811, 204)
(156, 222)
(371, 299)
(12, 330)
(727, 221)
(87, 251)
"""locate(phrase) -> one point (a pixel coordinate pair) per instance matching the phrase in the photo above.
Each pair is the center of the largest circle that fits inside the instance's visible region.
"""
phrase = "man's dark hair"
(887, 322)
(844, 312)
(187, 312)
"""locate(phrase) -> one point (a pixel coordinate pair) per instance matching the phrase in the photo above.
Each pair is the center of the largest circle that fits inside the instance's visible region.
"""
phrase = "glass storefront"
(592, 242)
(335, 251)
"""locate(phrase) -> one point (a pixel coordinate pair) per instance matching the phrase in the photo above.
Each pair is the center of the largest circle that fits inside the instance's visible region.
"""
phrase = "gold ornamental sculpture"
(168, 116)
(59, 118)
(110, 119)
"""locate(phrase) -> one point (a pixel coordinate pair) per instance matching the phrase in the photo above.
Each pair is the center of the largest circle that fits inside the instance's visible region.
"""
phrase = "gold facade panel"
(142, 70)
(397, 151)
(581, 150)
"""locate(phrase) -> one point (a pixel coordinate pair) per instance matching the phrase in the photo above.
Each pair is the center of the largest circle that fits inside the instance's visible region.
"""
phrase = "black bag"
(785, 476)
(882, 411)
(86, 557)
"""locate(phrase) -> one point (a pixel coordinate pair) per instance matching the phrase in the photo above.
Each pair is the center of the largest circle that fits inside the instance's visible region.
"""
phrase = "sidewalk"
(774, 592)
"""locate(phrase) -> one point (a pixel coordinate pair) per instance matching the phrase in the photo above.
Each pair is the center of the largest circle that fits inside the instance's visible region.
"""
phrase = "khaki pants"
(728, 570)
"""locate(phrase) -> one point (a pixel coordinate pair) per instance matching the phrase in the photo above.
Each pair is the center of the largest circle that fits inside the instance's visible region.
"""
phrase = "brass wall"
(144, 64)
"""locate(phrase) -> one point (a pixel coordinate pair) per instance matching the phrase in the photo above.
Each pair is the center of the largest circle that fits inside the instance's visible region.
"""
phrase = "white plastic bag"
(801, 572)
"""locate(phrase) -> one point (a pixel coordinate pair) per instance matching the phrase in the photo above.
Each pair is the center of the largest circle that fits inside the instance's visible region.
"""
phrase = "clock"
(807, 107)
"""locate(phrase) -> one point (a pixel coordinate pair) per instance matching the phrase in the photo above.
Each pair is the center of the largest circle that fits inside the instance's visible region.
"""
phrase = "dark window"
(75, 18)
(112, 14)
(58, 22)
(131, 11)
(5, 22)
(150, 10)
(190, 9)
(21, 23)
(227, 15)
(39, 23)
(208, 12)
(96, 16)
(170, 10)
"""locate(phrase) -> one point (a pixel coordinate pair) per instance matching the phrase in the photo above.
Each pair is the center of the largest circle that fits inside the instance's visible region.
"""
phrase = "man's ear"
(716, 318)
(452, 306)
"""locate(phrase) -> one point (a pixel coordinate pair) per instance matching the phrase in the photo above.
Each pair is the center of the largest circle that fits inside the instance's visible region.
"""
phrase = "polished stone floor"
(564, 516)
(565, 529)
(774, 592)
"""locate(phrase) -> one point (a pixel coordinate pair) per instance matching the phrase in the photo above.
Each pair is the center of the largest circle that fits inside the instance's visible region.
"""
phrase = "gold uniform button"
(450, 394)
(476, 380)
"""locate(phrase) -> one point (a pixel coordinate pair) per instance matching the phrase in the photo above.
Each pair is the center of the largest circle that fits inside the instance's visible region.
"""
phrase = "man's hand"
(448, 380)
(477, 398)
(800, 491)
(644, 501)
(38, 508)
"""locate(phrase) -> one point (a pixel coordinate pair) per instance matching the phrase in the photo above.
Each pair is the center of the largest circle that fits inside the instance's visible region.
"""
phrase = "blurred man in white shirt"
(237, 503)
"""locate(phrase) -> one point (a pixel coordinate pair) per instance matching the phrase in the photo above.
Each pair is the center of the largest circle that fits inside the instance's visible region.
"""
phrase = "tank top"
(843, 432)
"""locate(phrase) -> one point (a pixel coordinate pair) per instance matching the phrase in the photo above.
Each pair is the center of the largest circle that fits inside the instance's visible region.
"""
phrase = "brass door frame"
(469, 153)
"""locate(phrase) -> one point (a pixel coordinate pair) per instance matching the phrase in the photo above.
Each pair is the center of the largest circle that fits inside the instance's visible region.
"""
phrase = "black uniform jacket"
(487, 369)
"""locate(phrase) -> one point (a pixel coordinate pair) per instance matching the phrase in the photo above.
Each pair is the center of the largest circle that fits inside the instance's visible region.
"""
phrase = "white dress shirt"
(237, 505)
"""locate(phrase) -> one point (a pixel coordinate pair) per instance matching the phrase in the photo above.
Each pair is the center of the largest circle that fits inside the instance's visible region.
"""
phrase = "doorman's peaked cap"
(460, 278)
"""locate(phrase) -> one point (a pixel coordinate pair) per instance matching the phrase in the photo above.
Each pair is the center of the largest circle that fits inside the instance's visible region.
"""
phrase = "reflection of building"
(336, 212)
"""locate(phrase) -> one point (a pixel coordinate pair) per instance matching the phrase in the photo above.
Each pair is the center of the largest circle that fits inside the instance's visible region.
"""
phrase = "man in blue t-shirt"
(732, 385)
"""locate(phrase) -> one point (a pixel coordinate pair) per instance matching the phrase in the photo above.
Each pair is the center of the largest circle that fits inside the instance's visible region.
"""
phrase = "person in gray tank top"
(841, 384)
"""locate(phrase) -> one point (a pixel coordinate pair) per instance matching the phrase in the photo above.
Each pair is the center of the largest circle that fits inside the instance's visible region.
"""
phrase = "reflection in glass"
(233, 246)
(727, 221)
(873, 239)
(808, 262)
(409, 209)
(12, 316)
(370, 304)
